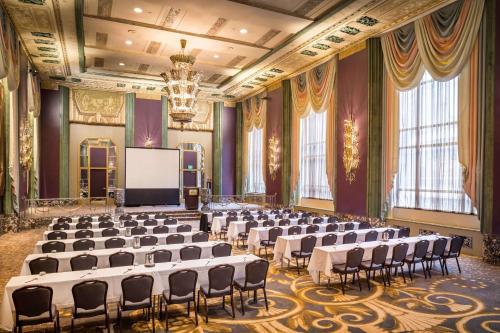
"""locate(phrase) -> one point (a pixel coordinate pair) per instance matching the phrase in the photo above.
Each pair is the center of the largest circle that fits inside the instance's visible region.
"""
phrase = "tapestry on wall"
(203, 121)
(97, 107)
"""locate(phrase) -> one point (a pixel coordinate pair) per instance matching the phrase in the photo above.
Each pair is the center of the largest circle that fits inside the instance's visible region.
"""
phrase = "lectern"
(191, 198)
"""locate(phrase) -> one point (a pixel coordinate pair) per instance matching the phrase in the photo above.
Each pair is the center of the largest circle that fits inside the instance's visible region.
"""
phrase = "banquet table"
(324, 257)
(95, 224)
(220, 221)
(99, 241)
(98, 232)
(286, 244)
(62, 283)
(103, 255)
(95, 218)
(236, 227)
(259, 234)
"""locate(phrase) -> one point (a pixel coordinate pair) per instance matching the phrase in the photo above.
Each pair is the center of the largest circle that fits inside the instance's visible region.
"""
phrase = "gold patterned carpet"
(467, 302)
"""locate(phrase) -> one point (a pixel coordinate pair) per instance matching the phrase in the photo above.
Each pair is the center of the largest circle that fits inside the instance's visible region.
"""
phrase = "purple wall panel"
(352, 98)
(496, 161)
(274, 127)
(190, 158)
(97, 183)
(147, 122)
(98, 157)
(49, 144)
(23, 113)
(228, 151)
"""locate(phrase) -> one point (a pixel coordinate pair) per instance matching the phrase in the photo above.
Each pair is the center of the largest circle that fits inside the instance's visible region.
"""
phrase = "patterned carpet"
(467, 302)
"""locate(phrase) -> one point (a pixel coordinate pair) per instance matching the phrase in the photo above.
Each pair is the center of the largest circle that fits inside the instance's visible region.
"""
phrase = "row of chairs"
(123, 217)
(33, 304)
(117, 242)
(88, 261)
(110, 224)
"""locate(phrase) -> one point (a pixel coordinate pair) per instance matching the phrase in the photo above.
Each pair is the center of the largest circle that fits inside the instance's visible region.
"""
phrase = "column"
(129, 119)
(164, 121)
(287, 141)
(217, 149)
(239, 148)
(64, 142)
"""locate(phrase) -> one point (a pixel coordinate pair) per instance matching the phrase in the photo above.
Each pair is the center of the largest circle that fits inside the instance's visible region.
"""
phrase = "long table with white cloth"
(95, 225)
(122, 231)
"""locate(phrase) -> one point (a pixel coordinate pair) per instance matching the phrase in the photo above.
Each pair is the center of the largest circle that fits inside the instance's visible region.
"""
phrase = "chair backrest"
(200, 237)
(114, 243)
(54, 235)
(331, 227)
(249, 225)
(311, 229)
(302, 221)
(332, 219)
(83, 245)
(404, 232)
(162, 256)
(53, 246)
(142, 216)
(284, 222)
(161, 216)
(184, 228)
(364, 225)
(110, 232)
(222, 250)
(182, 283)
(305, 214)
(160, 229)
(83, 262)
(130, 223)
(421, 248)
(278, 216)
(268, 223)
(169, 221)
(218, 214)
(137, 289)
(262, 217)
(150, 223)
(307, 244)
(354, 257)
(231, 219)
(328, 240)
(256, 272)
(349, 238)
(87, 233)
(83, 225)
(220, 277)
(106, 224)
(104, 218)
(232, 214)
(191, 252)
(274, 232)
(391, 233)
(318, 220)
(248, 218)
(174, 239)
(456, 245)
(90, 295)
(371, 236)
(64, 220)
(138, 231)
(148, 240)
(439, 247)
(85, 219)
(245, 212)
(32, 301)
(349, 226)
(287, 211)
(44, 264)
(293, 215)
(125, 217)
(61, 226)
(379, 254)
(119, 259)
(399, 252)
(294, 230)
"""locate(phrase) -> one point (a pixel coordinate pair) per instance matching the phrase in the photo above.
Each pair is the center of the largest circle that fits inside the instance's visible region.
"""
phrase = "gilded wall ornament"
(351, 150)
(26, 144)
(273, 156)
(97, 107)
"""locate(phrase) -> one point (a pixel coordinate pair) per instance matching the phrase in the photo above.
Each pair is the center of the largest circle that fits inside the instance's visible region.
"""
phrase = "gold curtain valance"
(9, 52)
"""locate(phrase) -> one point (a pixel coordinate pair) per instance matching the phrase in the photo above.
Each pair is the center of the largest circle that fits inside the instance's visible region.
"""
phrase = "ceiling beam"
(159, 28)
(270, 8)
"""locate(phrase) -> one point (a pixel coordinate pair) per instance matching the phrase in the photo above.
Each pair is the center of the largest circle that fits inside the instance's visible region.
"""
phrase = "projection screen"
(152, 176)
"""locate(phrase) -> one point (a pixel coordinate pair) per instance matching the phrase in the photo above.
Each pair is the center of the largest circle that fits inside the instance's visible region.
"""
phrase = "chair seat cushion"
(240, 285)
(267, 243)
(42, 318)
(177, 299)
(298, 254)
(409, 259)
(135, 306)
(82, 313)
(342, 269)
(449, 254)
(366, 265)
(243, 235)
(389, 263)
(215, 293)
(430, 256)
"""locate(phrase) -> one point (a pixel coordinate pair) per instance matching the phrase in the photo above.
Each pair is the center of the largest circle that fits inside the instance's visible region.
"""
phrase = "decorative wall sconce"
(25, 145)
(351, 149)
(273, 156)
(148, 142)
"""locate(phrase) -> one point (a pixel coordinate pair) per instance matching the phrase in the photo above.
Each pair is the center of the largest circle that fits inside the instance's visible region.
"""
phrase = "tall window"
(430, 175)
(313, 182)
(255, 174)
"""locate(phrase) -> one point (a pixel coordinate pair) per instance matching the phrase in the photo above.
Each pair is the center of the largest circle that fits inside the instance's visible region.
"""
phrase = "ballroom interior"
(249, 166)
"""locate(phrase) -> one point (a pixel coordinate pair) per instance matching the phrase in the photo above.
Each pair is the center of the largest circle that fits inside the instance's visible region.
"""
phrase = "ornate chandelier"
(182, 86)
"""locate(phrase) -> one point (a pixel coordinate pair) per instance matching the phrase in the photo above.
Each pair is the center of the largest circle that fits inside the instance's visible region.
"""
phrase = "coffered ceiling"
(241, 46)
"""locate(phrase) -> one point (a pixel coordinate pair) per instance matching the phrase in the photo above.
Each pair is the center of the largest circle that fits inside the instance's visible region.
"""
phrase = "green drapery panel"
(63, 142)
(129, 119)
(217, 149)
(164, 121)
(239, 148)
(286, 134)
(375, 117)
(7, 198)
(33, 172)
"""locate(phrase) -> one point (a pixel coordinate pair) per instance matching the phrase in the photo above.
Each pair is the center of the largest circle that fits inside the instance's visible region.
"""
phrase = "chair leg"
(342, 284)
(166, 316)
(446, 267)
(423, 268)
(242, 306)
(383, 276)
(232, 305)
(189, 308)
(153, 317)
(442, 266)
(223, 302)
(298, 268)
(265, 299)
(367, 272)
(198, 303)
(359, 280)
(409, 271)
(206, 309)
(255, 297)
(388, 274)
(195, 312)
(458, 265)
(403, 273)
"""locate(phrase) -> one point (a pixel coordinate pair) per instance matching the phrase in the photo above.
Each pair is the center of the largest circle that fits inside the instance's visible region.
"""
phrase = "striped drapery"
(9, 52)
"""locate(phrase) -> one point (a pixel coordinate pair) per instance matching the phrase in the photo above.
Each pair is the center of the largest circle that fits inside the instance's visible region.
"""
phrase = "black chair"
(162, 256)
(85, 219)
(106, 224)
(83, 262)
(293, 215)
(61, 226)
(311, 229)
(262, 217)
(174, 239)
(169, 221)
(437, 254)
(33, 306)
(90, 301)
(302, 221)
(148, 240)
(404, 232)
(55, 235)
(150, 223)
(305, 215)
(371, 236)
(182, 289)
(220, 284)
(332, 219)
(349, 226)
(142, 216)
(283, 222)
(138, 231)
(354, 258)
(161, 229)
(245, 212)
(125, 217)
(377, 262)
(221, 250)
(233, 214)
(294, 230)
(64, 220)
(255, 279)
(331, 227)
(391, 233)
(161, 216)
(397, 261)
(349, 238)
(274, 232)
(248, 218)
(455, 249)
(328, 240)
(243, 236)
(268, 223)
(307, 245)
(191, 252)
(104, 218)
(130, 223)
(83, 225)
(417, 257)
(110, 232)
(317, 220)
(114, 243)
(136, 295)
(119, 259)
(286, 211)
(84, 233)
(216, 214)
(200, 237)
(44, 264)
(53, 246)
(223, 229)
(274, 211)
(364, 225)
(184, 228)
(83, 245)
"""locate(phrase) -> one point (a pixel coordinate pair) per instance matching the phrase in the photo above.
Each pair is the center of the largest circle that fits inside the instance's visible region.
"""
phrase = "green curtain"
(287, 140)
(64, 142)
(217, 149)
(239, 148)
(129, 119)
(7, 198)
(164, 121)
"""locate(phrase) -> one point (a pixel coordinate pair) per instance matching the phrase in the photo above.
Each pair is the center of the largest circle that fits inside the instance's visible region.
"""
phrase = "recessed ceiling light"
(138, 10)
(121, 64)
(128, 42)
(243, 31)
(216, 56)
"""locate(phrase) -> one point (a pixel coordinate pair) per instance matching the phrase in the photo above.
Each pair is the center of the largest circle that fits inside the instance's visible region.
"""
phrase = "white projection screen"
(152, 176)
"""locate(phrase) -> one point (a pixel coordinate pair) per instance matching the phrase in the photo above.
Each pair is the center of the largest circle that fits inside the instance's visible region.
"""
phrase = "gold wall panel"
(203, 121)
(97, 107)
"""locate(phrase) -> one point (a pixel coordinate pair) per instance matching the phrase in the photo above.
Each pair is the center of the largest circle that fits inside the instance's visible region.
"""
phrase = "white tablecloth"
(220, 221)
(286, 244)
(61, 283)
(236, 227)
(96, 217)
(98, 232)
(259, 234)
(99, 241)
(103, 255)
(95, 225)
(324, 257)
